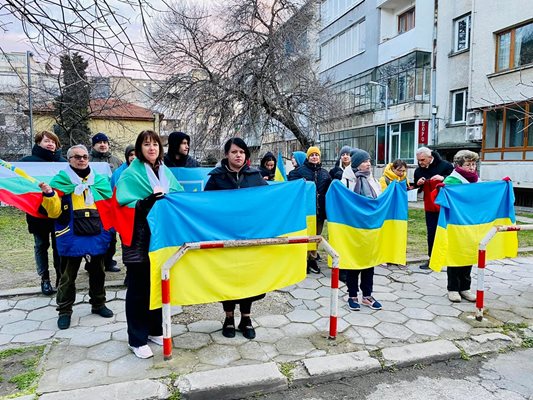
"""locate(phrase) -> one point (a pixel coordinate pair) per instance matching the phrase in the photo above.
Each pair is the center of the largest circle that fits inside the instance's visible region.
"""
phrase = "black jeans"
(245, 305)
(367, 281)
(432, 219)
(42, 244)
(111, 250)
(141, 320)
(459, 278)
(66, 292)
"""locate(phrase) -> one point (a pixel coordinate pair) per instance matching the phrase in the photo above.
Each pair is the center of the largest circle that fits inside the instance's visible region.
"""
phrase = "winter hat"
(345, 150)
(358, 157)
(99, 137)
(311, 150)
(129, 149)
(300, 157)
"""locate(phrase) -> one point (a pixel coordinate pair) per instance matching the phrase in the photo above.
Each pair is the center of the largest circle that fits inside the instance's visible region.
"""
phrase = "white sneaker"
(142, 351)
(156, 339)
(468, 295)
(454, 297)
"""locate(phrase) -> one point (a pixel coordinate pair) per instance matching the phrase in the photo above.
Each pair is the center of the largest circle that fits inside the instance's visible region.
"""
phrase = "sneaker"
(112, 268)
(353, 305)
(63, 322)
(313, 267)
(46, 287)
(454, 297)
(371, 302)
(156, 339)
(468, 295)
(103, 311)
(142, 351)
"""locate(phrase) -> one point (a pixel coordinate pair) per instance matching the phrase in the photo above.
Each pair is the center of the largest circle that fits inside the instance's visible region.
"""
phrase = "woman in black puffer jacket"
(235, 174)
(312, 171)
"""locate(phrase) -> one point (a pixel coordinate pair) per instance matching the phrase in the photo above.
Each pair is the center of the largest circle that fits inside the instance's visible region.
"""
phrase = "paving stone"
(34, 336)
(90, 340)
(218, 338)
(393, 331)
(452, 324)
(268, 335)
(402, 278)
(108, 351)
(325, 292)
(323, 325)
(309, 283)
(486, 343)
(448, 311)
(389, 297)
(294, 346)
(390, 316)
(10, 316)
(359, 318)
(307, 294)
(18, 327)
(438, 350)
(191, 340)
(42, 314)
(5, 339)
(5, 305)
(339, 366)
(524, 312)
(418, 313)
(95, 320)
(32, 303)
(505, 316)
(131, 366)
(120, 335)
(295, 302)
(121, 294)
(431, 291)
(253, 351)
(218, 355)
(117, 326)
(515, 300)
(311, 304)
(269, 349)
(308, 316)
(82, 373)
(295, 329)
(116, 306)
(427, 328)
(381, 289)
(411, 294)
(363, 335)
(205, 326)
(272, 321)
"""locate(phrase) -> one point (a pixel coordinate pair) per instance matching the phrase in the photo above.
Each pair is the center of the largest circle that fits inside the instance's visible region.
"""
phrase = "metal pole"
(387, 155)
(30, 99)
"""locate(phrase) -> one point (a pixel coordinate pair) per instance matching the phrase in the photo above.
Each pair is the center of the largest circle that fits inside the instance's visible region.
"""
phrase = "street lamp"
(386, 155)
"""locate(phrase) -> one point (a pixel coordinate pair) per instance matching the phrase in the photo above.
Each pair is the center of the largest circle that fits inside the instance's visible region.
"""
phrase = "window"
(401, 143)
(330, 10)
(458, 107)
(345, 45)
(461, 33)
(514, 48)
(406, 21)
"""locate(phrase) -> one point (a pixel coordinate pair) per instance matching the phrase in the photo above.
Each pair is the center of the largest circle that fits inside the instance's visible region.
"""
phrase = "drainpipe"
(30, 98)
(434, 127)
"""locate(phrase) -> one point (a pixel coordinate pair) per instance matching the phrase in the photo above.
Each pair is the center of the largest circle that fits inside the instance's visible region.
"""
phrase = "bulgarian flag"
(20, 190)
(132, 186)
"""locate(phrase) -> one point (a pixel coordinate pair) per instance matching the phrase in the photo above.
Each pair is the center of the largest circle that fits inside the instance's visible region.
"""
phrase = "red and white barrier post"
(167, 266)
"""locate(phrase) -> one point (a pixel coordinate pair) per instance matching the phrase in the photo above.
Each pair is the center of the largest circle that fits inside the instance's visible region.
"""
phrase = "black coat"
(42, 226)
(314, 173)
(221, 178)
(187, 162)
(336, 172)
(437, 167)
(137, 252)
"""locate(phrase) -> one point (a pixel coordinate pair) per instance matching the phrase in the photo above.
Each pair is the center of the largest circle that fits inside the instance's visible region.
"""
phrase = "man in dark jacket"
(47, 148)
(430, 172)
(178, 151)
(100, 153)
(312, 171)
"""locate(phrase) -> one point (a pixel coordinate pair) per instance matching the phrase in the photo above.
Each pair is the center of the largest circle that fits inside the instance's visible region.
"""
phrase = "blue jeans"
(42, 243)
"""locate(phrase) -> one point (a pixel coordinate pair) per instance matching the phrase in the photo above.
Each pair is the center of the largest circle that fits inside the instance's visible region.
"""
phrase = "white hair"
(423, 150)
(76, 146)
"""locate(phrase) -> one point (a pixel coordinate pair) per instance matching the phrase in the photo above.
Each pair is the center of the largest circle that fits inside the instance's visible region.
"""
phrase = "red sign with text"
(423, 127)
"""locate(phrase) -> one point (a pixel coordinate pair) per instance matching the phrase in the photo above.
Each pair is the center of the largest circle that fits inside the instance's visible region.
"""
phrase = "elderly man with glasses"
(71, 198)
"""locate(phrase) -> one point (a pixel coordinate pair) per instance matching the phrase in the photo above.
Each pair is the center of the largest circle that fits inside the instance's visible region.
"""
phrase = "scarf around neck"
(362, 185)
(471, 177)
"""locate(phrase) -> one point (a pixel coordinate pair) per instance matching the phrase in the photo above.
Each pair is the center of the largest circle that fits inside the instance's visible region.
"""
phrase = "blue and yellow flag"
(467, 213)
(280, 175)
(365, 231)
(192, 179)
(210, 275)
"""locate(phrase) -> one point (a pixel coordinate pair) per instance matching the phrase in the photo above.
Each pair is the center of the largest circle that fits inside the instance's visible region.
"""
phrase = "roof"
(110, 108)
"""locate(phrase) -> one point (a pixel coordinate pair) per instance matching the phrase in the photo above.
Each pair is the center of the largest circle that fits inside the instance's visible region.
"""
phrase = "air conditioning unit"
(473, 133)
(474, 117)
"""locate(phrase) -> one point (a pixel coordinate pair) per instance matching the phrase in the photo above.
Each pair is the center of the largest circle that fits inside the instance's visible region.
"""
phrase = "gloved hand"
(148, 202)
(506, 178)
(439, 185)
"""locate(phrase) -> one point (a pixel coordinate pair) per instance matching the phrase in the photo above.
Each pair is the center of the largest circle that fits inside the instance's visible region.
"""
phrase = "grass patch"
(18, 370)
(286, 368)
(513, 327)
(527, 343)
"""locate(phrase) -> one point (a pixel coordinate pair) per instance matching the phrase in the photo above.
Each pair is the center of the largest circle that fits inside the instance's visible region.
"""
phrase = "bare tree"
(246, 66)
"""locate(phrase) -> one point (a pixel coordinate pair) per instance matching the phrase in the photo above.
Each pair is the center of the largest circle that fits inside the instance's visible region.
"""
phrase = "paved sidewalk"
(417, 325)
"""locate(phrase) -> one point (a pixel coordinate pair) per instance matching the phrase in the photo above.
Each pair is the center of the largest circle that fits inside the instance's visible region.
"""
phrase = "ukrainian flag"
(467, 213)
(280, 174)
(365, 231)
(210, 275)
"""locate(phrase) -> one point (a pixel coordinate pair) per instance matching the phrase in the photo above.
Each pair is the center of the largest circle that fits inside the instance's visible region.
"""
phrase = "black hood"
(174, 141)
(267, 157)
(129, 148)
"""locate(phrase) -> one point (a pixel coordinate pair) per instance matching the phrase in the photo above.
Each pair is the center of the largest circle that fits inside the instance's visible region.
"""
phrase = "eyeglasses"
(78, 157)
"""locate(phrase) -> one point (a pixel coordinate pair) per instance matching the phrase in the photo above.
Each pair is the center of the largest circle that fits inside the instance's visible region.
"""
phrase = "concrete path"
(417, 325)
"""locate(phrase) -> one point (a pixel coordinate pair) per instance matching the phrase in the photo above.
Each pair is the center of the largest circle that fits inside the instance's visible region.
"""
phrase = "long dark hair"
(239, 143)
(148, 134)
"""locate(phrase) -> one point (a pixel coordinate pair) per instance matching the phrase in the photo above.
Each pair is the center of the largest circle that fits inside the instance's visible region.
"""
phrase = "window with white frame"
(461, 33)
(345, 45)
(333, 9)
(458, 106)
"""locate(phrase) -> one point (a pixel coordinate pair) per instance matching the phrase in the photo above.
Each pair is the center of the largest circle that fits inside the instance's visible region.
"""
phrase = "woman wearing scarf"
(344, 161)
(144, 182)
(360, 180)
(394, 171)
(459, 280)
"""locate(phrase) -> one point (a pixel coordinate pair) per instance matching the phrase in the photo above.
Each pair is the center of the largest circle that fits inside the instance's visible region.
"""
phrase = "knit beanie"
(99, 137)
(358, 157)
(345, 150)
(311, 150)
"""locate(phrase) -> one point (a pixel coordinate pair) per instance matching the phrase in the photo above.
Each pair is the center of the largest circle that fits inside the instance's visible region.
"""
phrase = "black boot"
(245, 326)
(46, 287)
(228, 329)
(312, 266)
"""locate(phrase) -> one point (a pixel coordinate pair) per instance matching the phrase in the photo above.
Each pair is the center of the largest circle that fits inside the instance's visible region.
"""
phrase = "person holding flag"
(76, 197)
(267, 166)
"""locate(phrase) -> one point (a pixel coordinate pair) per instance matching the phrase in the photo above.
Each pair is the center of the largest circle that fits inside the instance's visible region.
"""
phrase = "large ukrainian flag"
(209, 275)
(365, 231)
(467, 213)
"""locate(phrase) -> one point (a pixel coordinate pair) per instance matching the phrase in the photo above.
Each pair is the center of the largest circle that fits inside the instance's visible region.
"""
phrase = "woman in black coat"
(267, 167)
(235, 174)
